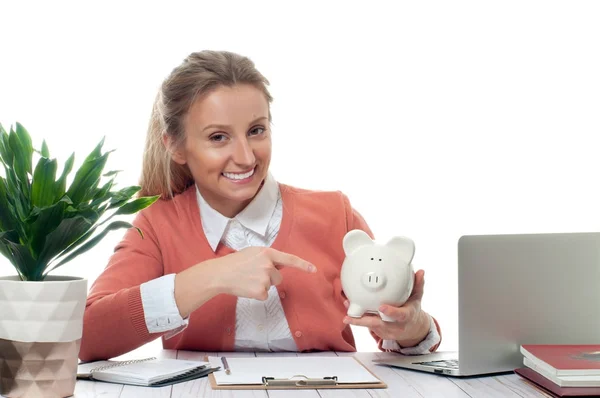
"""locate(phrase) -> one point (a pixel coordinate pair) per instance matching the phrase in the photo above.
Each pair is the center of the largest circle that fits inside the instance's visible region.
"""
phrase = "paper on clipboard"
(294, 372)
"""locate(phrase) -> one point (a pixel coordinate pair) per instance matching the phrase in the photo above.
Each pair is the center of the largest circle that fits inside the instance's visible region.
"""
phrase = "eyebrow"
(224, 126)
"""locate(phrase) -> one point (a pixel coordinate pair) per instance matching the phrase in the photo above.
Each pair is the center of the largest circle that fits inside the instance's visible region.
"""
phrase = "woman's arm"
(187, 295)
(113, 321)
(247, 273)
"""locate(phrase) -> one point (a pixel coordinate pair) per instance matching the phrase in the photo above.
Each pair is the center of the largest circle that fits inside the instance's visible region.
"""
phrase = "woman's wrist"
(421, 332)
(188, 296)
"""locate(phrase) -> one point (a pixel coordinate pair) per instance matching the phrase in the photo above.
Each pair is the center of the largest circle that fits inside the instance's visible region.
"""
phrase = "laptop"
(518, 289)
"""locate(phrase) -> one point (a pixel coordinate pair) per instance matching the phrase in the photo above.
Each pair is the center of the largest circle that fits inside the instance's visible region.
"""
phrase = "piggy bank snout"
(374, 281)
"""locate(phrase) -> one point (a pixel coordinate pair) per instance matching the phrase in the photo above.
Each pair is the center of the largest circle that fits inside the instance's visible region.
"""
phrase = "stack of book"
(563, 370)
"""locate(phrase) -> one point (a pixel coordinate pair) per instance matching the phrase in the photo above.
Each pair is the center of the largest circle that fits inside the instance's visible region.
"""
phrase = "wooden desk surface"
(401, 383)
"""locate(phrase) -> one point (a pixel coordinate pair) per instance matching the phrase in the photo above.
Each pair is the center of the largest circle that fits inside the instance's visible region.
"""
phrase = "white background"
(437, 119)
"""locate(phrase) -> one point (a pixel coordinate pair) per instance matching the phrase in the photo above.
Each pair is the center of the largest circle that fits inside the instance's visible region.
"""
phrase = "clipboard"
(299, 382)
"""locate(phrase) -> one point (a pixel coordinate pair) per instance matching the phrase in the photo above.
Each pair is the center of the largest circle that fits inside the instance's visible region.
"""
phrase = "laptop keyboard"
(446, 363)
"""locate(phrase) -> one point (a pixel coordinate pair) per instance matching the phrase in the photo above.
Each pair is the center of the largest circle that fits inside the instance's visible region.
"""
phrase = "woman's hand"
(411, 323)
(247, 273)
(252, 271)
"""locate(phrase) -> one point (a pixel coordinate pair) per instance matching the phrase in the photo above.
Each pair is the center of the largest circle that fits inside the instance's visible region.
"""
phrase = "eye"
(256, 131)
(218, 137)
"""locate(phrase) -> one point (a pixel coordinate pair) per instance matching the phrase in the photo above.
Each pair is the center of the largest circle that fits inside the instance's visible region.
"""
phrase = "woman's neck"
(227, 207)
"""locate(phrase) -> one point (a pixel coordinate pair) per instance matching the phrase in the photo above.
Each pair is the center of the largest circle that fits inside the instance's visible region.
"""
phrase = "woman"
(231, 259)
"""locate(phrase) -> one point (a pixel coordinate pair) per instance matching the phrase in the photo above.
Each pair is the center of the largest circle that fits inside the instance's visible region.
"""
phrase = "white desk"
(401, 383)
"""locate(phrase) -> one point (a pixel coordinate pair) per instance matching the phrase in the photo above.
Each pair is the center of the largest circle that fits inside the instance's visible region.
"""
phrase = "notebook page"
(250, 370)
(154, 370)
(146, 372)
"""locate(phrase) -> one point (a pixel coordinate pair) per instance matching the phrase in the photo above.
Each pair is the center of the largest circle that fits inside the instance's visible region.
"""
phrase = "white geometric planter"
(41, 324)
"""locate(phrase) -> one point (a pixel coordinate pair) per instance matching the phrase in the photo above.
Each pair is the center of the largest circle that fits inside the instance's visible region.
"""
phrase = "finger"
(370, 321)
(265, 295)
(385, 330)
(260, 294)
(419, 285)
(281, 259)
(275, 277)
(388, 333)
(401, 314)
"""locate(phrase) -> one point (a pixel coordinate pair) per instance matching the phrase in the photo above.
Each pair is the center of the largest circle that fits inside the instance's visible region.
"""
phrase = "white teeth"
(234, 176)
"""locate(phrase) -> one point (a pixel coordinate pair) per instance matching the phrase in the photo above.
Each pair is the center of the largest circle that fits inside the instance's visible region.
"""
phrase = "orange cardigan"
(312, 227)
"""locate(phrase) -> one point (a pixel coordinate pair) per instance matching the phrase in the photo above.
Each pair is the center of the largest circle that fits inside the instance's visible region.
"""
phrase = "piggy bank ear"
(404, 246)
(355, 239)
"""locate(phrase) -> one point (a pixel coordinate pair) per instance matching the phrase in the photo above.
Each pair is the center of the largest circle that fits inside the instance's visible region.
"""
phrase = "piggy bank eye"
(379, 259)
(371, 258)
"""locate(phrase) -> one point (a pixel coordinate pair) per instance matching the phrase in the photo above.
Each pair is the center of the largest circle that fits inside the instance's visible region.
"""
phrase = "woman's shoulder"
(170, 207)
(297, 191)
(321, 197)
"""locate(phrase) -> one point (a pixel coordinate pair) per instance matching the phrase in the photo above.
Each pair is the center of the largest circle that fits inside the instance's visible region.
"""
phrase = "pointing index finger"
(281, 259)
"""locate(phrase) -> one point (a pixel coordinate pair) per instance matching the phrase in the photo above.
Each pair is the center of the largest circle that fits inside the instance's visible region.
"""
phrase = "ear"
(355, 239)
(404, 246)
(177, 155)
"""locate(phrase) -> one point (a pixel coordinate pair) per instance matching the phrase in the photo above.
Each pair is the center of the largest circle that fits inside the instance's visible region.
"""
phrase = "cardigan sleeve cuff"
(136, 312)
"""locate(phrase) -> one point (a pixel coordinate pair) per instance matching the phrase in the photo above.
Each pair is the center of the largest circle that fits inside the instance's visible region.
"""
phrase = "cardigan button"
(282, 295)
(298, 333)
(228, 330)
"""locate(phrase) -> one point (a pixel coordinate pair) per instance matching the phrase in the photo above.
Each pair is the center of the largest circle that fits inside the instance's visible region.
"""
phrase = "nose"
(243, 154)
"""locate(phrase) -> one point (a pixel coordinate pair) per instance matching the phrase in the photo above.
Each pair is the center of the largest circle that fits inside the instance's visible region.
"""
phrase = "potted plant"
(44, 224)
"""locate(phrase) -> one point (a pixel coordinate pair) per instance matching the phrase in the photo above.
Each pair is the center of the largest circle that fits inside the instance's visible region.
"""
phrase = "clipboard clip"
(299, 381)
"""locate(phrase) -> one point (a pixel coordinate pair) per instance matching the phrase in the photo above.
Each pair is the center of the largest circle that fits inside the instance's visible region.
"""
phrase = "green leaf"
(43, 186)
(87, 179)
(25, 140)
(5, 152)
(97, 152)
(8, 218)
(103, 194)
(11, 236)
(20, 143)
(94, 241)
(20, 257)
(46, 221)
(45, 150)
(123, 196)
(61, 183)
(69, 231)
(91, 213)
(136, 205)
(22, 158)
(15, 196)
(112, 173)
(4, 248)
(77, 243)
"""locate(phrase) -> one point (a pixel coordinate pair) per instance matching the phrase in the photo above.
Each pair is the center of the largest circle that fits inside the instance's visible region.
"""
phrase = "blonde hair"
(199, 74)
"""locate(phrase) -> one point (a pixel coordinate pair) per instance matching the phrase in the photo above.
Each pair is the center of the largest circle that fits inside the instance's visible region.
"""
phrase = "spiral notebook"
(151, 372)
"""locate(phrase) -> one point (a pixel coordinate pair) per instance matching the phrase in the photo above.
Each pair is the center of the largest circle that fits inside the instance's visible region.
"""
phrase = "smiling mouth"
(239, 176)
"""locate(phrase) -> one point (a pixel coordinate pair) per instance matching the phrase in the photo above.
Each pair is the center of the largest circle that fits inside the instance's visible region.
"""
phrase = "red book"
(545, 384)
(565, 360)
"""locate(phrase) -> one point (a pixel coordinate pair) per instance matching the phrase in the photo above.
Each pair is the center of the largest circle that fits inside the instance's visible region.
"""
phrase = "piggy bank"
(374, 274)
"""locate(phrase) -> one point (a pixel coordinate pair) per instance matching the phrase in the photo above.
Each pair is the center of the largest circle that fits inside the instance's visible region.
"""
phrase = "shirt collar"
(256, 216)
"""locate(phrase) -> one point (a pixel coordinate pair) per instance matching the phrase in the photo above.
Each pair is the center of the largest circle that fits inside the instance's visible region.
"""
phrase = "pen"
(226, 365)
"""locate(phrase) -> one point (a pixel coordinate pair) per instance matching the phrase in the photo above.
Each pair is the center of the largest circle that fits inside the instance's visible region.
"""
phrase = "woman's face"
(228, 146)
